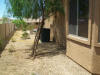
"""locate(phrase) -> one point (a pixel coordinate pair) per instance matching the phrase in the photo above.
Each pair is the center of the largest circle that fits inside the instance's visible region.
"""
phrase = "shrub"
(13, 39)
(20, 24)
(11, 49)
(25, 35)
(30, 27)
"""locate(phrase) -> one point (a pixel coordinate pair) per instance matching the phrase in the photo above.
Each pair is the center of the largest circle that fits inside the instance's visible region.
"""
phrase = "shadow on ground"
(49, 50)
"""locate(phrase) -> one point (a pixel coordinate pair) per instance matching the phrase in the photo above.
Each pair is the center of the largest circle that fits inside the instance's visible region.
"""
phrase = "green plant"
(34, 9)
(20, 24)
(34, 74)
(11, 49)
(25, 35)
(30, 27)
(13, 39)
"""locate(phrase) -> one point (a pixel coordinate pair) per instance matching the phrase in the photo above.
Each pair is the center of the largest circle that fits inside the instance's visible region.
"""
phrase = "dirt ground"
(49, 60)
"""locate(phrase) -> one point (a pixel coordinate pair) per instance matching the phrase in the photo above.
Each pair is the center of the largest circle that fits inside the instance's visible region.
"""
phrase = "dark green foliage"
(33, 8)
(15, 7)
(53, 6)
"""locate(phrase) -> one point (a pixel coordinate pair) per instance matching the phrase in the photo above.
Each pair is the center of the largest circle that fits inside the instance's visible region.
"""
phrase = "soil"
(49, 59)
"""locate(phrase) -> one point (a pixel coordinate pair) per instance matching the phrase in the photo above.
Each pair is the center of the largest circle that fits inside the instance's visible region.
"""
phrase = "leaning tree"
(34, 8)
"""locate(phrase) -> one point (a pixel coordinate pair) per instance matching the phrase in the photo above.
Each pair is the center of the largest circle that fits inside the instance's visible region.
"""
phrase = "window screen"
(78, 17)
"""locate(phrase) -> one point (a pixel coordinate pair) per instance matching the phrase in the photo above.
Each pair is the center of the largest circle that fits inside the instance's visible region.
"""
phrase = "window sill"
(97, 44)
(78, 39)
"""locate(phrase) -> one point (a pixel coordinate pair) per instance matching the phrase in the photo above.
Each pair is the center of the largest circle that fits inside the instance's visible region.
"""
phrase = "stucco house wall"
(85, 54)
(56, 24)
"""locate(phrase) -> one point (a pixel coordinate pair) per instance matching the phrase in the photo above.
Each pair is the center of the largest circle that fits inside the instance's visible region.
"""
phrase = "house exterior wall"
(86, 55)
(80, 53)
(56, 24)
(49, 25)
(49, 22)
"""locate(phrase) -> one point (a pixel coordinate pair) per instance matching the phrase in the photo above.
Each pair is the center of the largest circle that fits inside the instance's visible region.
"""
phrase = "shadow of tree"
(49, 50)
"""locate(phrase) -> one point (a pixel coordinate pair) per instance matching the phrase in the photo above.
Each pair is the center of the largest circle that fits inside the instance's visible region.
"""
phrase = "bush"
(30, 27)
(13, 39)
(11, 49)
(20, 24)
(25, 35)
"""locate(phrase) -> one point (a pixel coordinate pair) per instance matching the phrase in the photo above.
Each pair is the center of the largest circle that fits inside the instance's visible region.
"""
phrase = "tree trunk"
(42, 25)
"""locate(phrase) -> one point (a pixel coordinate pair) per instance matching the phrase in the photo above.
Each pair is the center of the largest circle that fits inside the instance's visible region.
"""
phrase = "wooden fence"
(6, 31)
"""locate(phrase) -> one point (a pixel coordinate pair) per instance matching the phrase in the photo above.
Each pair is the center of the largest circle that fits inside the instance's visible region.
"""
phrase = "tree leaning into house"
(34, 8)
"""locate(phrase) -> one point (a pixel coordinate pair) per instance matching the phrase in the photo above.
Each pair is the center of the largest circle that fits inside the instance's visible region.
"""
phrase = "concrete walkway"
(49, 59)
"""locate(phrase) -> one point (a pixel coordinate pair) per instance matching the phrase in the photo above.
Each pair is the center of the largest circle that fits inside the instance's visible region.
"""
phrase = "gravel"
(49, 60)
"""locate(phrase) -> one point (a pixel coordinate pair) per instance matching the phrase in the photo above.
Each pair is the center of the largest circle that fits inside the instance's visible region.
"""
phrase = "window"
(78, 17)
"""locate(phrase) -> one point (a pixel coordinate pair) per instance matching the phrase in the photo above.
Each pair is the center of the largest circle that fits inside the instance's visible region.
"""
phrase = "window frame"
(96, 24)
(78, 38)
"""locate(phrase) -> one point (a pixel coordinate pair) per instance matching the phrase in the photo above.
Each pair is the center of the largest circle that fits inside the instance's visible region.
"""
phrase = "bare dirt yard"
(49, 60)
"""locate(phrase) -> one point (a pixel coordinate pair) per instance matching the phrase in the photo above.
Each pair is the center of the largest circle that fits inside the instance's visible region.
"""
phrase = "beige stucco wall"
(87, 56)
(57, 28)
(84, 55)
(48, 25)
(49, 22)
(96, 61)
(80, 53)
